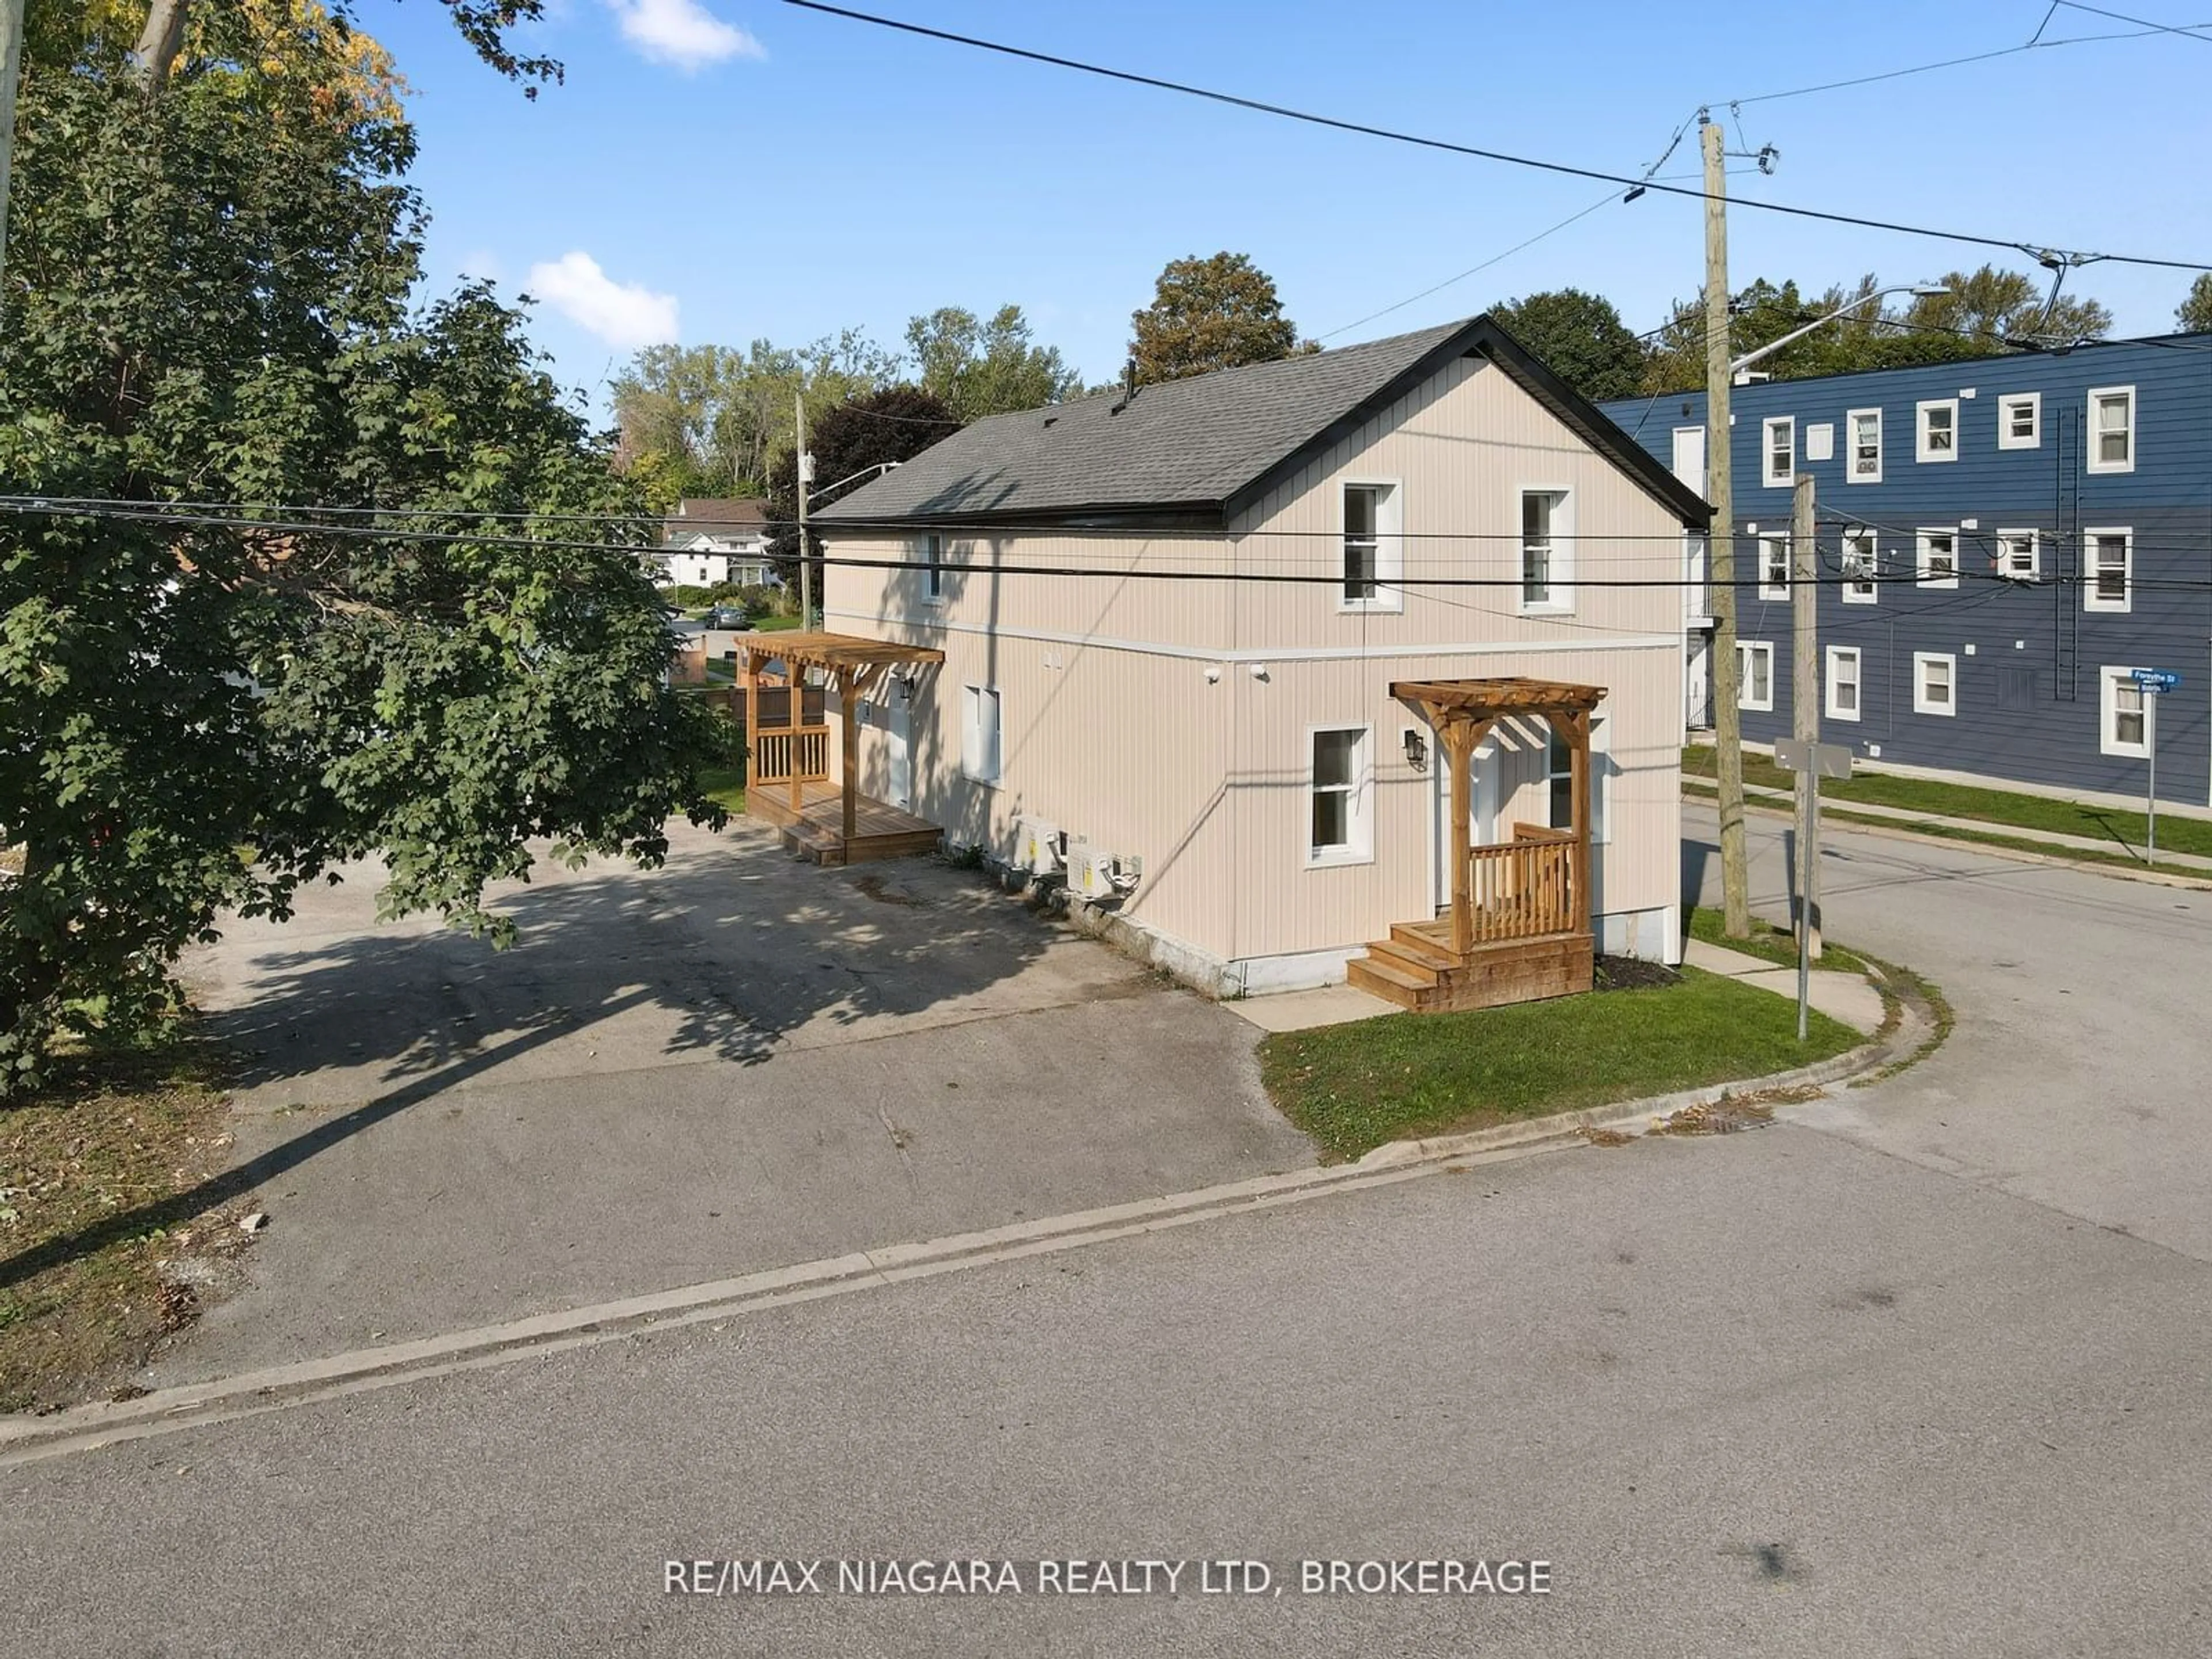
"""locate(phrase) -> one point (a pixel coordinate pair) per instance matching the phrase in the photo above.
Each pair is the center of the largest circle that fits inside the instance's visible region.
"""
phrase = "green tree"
(210, 302)
(895, 424)
(2194, 314)
(977, 368)
(1580, 338)
(1210, 313)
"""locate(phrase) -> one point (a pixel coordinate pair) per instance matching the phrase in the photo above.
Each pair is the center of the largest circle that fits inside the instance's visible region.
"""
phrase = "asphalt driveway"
(734, 1062)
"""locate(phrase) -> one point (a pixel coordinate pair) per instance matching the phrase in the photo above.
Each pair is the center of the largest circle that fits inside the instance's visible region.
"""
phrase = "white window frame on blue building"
(1925, 571)
(1778, 439)
(1856, 455)
(1924, 448)
(2007, 403)
(1860, 560)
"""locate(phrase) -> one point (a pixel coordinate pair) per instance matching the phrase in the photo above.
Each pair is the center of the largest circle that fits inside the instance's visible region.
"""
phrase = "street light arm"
(1797, 334)
(866, 471)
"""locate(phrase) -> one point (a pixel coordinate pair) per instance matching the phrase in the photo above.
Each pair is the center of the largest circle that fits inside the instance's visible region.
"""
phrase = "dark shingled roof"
(1197, 451)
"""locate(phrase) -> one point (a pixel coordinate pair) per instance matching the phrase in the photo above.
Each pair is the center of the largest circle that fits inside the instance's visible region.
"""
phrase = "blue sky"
(721, 170)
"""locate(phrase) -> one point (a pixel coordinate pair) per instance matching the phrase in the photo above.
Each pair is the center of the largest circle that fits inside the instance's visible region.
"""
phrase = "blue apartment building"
(2001, 543)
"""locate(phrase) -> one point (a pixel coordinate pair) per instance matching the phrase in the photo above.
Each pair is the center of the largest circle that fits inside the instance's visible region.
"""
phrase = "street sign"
(2156, 679)
(1826, 760)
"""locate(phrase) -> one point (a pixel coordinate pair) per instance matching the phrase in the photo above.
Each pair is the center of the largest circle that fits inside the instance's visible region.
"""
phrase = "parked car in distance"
(728, 616)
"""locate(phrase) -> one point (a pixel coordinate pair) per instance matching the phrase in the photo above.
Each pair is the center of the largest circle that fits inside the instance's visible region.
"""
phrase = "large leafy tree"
(1215, 313)
(1580, 338)
(207, 301)
(2194, 314)
(976, 366)
(855, 437)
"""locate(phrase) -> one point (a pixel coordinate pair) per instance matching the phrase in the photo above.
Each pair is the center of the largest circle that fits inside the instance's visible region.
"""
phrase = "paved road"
(1890, 1379)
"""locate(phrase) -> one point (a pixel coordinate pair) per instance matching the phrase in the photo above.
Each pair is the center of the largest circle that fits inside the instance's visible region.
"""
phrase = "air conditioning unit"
(1043, 848)
(1089, 872)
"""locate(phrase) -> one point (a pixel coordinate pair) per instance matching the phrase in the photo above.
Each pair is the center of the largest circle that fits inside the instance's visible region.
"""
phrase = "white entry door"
(1481, 816)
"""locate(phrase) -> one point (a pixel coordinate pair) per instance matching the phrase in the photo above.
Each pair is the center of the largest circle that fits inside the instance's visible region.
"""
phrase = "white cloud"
(625, 314)
(682, 32)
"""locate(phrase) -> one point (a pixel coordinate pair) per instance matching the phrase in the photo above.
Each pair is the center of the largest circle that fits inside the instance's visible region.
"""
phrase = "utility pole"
(11, 63)
(1805, 711)
(1720, 559)
(802, 476)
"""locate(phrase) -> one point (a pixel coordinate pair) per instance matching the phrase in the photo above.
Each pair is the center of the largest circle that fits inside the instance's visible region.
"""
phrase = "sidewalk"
(1905, 818)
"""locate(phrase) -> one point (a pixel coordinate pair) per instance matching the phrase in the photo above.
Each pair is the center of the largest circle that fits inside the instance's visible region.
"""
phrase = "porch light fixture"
(1417, 749)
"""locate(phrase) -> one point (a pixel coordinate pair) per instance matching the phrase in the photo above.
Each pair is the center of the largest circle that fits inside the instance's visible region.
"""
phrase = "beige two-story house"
(1366, 663)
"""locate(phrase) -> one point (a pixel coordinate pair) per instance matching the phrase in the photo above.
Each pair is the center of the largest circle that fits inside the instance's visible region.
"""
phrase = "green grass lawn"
(1353, 1087)
(1768, 942)
(774, 624)
(2124, 830)
(725, 784)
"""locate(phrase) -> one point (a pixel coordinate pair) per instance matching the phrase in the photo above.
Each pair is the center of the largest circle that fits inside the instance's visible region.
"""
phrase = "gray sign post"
(1821, 760)
(2153, 683)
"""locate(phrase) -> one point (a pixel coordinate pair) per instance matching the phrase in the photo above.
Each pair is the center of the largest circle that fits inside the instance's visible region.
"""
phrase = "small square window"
(1779, 448)
(2109, 558)
(1773, 567)
(1939, 431)
(1937, 561)
(1755, 686)
(1843, 682)
(2126, 708)
(2020, 420)
(2020, 555)
(2112, 430)
(1934, 688)
(1861, 565)
(1863, 463)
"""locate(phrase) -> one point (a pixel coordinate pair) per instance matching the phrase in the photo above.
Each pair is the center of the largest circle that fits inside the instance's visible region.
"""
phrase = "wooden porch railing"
(1524, 888)
(786, 755)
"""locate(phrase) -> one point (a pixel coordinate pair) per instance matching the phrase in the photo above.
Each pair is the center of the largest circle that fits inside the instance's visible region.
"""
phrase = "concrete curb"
(103, 1423)
(2019, 855)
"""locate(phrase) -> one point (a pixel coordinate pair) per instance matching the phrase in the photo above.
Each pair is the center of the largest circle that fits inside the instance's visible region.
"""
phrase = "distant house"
(2001, 542)
(1345, 666)
(705, 543)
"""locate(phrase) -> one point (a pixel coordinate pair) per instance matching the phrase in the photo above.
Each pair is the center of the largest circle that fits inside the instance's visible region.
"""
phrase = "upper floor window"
(2020, 420)
(1938, 438)
(2110, 556)
(1863, 464)
(1774, 566)
(2112, 430)
(1546, 555)
(1779, 448)
(2019, 555)
(1371, 554)
(932, 552)
(1861, 565)
(1937, 565)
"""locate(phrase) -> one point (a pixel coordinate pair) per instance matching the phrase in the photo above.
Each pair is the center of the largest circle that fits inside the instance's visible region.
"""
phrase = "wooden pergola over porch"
(1518, 925)
(787, 767)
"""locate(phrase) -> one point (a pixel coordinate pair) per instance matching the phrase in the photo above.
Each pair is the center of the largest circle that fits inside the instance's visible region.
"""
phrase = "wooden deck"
(1417, 968)
(880, 831)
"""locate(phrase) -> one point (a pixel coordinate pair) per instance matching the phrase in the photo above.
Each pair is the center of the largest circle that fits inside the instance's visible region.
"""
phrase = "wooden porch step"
(1408, 938)
(1420, 964)
(1391, 978)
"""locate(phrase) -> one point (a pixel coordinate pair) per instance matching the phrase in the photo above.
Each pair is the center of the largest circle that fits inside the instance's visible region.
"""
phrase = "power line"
(2148, 28)
(1368, 129)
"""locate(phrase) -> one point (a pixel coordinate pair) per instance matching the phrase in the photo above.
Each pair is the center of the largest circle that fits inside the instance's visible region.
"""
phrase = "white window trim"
(1920, 703)
(969, 702)
(1851, 474)
(1872, 578)
(2005, 402)
(1920, 449)
(931, 547)
(2089, 432)
(1766, 590)
(2034, 573)
(1920, 550)
(2089, 599)
(1562, 602)
(1767, 447)
(1835, 654)
(1746, 649)
(1362, 821)
(2108, 708)
(1389, 546)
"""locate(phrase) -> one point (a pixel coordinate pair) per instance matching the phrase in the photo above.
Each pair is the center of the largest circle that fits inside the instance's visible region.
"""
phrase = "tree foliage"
(1580, 338)
(2194, 314)
(895, 424)
(1988, 312)
(1215, 313)
(209, 301)
(976, 368)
